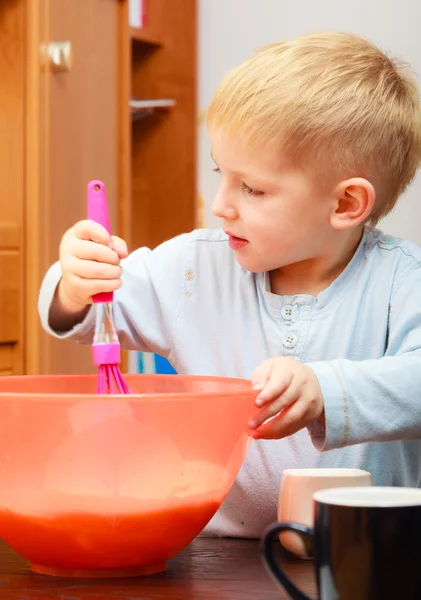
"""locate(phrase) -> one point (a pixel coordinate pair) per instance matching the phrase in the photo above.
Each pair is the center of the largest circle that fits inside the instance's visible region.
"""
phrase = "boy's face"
(274, 215)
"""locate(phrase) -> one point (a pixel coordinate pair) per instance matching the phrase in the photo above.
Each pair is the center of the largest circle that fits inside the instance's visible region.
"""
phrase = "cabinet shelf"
(145, 36)
(142, 108)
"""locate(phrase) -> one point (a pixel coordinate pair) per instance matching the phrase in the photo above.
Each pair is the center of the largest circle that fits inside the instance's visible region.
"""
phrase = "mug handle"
(271, 564)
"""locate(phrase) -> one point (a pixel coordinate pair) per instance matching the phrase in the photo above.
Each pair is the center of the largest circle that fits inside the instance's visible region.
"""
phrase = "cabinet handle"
(57, 56)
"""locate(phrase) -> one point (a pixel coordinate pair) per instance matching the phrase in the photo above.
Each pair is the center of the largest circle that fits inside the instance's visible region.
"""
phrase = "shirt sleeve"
(377, 400)
(146, 306)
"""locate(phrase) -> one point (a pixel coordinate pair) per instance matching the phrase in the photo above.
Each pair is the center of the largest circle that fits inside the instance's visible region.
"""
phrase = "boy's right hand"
(90, 263)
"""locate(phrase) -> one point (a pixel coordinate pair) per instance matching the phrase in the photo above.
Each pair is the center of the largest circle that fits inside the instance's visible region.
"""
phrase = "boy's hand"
(290, 393)
(89, 259)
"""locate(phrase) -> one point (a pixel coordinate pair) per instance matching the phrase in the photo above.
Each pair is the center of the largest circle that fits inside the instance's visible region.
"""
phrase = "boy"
(315, 139)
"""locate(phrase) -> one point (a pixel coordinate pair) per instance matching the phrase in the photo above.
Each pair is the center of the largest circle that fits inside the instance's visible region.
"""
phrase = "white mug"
(296, 497)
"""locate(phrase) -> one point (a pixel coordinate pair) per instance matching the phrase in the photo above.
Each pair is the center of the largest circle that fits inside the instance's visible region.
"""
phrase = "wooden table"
(217, 569)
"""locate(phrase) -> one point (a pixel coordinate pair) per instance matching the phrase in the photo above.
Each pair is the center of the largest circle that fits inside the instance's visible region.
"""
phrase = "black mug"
(366, 542)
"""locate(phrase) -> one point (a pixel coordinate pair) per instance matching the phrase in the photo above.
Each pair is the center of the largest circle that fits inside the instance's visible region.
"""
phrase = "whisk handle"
(98, 212)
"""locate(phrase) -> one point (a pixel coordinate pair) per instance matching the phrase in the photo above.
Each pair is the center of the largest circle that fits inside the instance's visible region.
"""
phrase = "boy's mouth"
(235, 242)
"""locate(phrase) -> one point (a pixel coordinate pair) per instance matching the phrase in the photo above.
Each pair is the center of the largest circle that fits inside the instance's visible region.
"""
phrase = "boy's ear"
(354, 201)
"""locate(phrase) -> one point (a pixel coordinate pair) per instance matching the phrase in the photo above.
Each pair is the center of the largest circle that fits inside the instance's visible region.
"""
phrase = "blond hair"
(335, 103)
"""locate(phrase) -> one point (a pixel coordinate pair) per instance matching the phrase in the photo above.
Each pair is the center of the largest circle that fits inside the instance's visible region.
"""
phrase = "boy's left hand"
(290, 393)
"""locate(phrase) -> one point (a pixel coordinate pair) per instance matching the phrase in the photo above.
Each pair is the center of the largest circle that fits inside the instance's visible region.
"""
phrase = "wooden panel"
(7, 359)
(83, 132)
(11, 181)
(10, 235)
(10, 296)
(124, 124)
(34, 202)
(81, 136)
(11, 111)
(164, 146)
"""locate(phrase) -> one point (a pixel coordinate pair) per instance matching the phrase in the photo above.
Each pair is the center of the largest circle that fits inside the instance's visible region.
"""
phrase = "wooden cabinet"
(163, 143)
(62, 128)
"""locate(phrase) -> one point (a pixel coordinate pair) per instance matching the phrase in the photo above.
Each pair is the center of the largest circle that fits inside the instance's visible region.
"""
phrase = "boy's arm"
(377, 400)
(145, 307)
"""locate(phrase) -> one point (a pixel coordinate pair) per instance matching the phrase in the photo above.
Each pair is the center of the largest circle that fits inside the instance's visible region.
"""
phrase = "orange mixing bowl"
(101, 486)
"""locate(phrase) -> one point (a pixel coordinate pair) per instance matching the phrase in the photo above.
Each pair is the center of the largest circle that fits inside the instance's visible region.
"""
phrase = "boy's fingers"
(90, 287)
(91, 269)
(288, 422)
(87, 250)
(291, 395)
(119, 246)
(92, 231)
(261, 374)
(279, 381)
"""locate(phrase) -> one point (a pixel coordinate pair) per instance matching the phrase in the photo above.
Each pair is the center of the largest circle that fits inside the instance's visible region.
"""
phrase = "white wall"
(230, 31)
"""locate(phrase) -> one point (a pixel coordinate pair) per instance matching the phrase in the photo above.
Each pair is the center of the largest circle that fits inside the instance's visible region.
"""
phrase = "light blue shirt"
(190, 301)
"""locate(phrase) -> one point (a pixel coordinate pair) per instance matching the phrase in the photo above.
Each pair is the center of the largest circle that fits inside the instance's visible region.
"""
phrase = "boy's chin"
(251, 266)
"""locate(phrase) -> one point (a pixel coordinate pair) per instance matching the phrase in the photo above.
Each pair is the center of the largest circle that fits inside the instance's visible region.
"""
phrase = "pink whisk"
(106, 347)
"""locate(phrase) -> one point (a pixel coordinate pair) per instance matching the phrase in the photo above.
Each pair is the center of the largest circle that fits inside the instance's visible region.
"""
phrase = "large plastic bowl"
(102, 486)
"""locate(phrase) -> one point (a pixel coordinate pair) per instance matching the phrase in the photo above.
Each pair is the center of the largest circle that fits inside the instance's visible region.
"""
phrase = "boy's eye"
(246, 188)
(251, 191)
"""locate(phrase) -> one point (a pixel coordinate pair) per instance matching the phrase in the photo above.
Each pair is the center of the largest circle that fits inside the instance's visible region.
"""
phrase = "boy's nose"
(222, 208)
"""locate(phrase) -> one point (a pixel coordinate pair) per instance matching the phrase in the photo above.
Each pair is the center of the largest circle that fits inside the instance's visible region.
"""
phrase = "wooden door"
(11, 181)
(77, 113)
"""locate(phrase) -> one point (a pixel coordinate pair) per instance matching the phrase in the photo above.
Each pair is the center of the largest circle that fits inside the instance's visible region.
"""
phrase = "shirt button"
(286, 312)
(290, 340)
